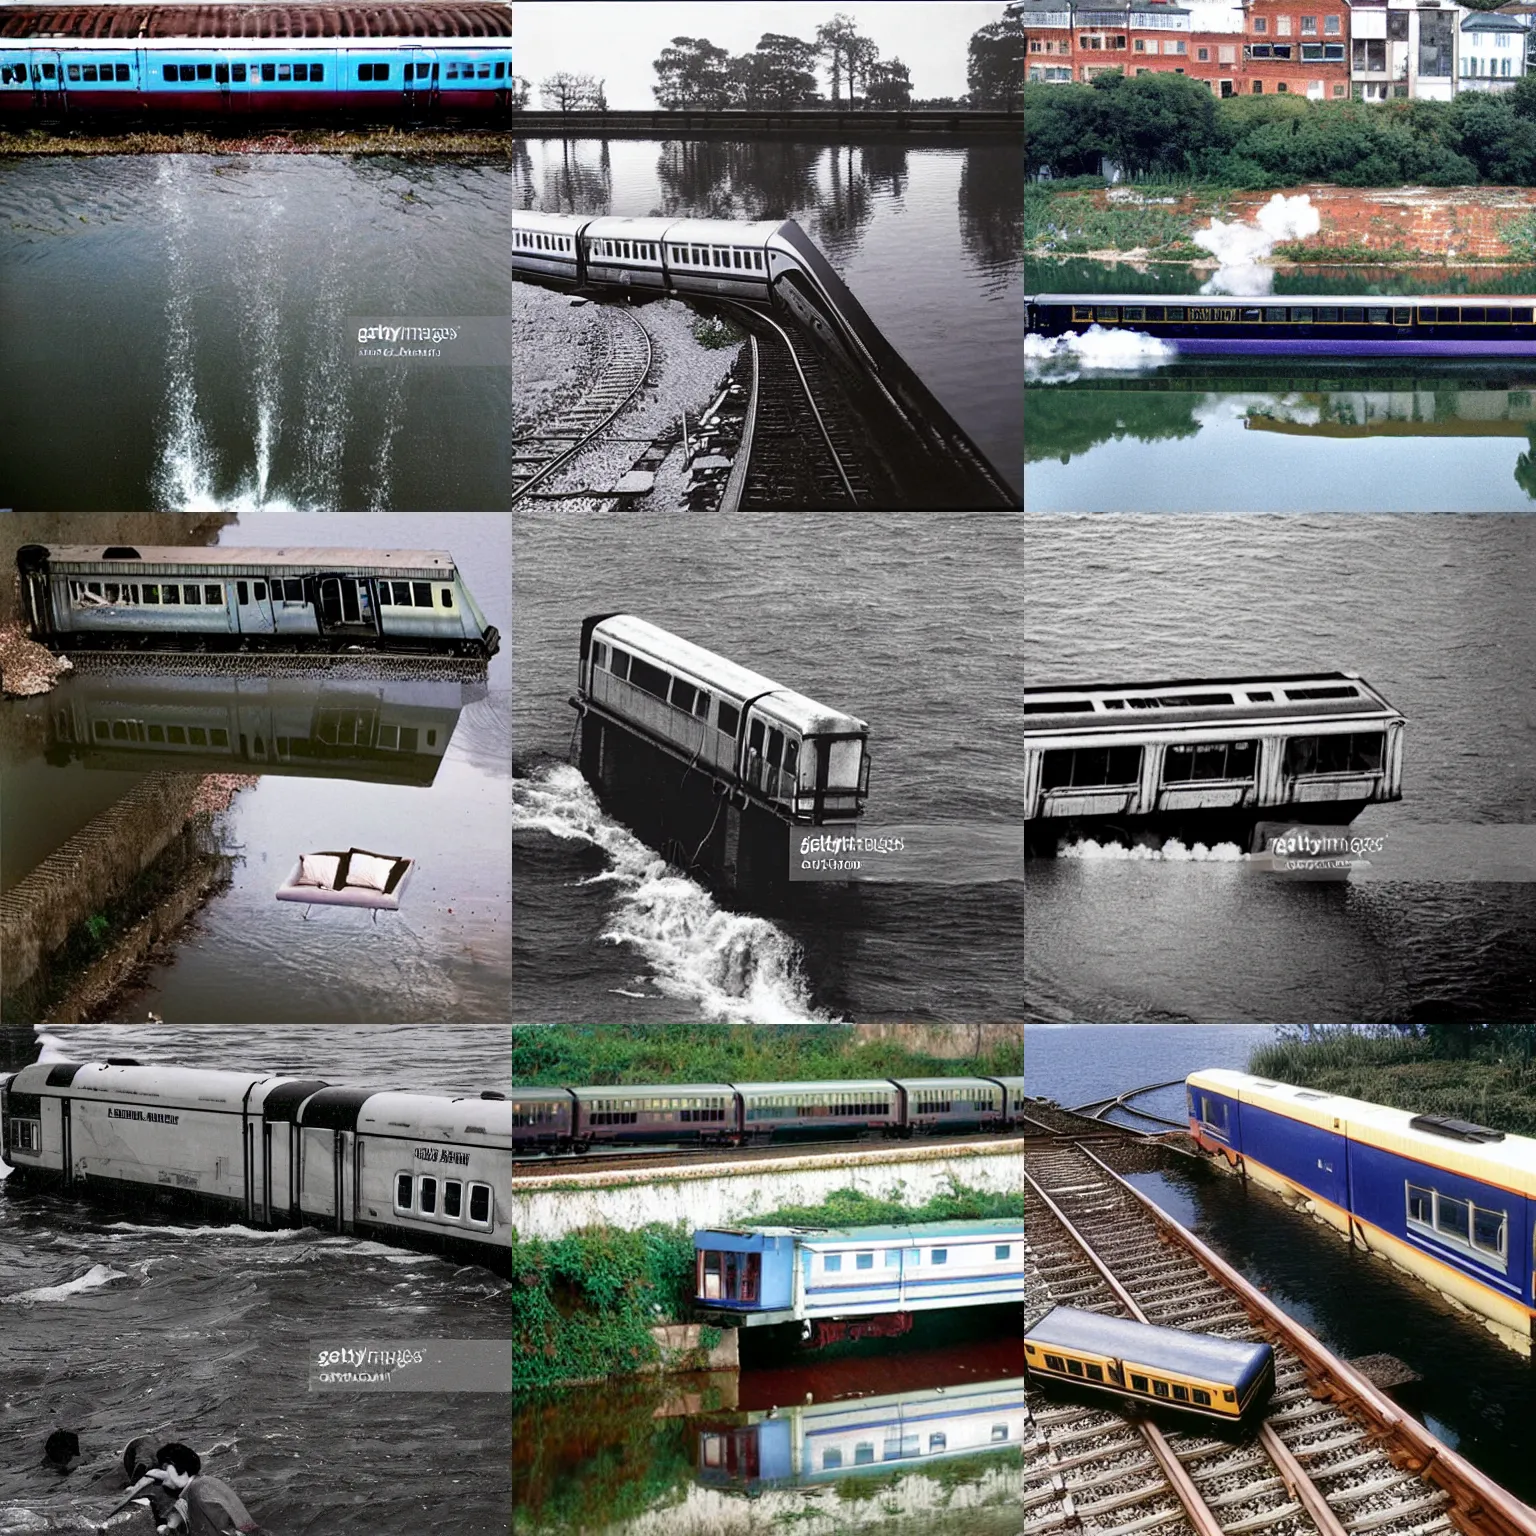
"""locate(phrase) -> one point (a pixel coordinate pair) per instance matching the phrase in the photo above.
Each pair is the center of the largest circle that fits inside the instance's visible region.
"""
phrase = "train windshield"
(834, 766)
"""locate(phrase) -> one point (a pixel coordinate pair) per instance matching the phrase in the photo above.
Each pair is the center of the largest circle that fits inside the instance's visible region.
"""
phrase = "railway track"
(621, 375)
(1320, 1465)
(803, 454)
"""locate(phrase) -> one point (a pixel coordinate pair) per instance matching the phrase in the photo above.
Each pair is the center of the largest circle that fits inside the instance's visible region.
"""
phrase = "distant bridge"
(815, 123)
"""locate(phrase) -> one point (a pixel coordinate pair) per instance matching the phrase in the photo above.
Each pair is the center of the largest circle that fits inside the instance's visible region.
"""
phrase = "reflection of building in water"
(825, 1441)
(383, 732)
(1421, 409)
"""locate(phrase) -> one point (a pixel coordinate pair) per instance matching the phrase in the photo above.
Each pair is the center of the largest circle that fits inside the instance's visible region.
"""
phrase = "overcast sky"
(619, 40)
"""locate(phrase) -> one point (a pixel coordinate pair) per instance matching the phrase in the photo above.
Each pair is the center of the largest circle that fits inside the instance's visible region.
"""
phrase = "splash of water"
(1244, 248)
(734, 968)
(1061, 359)
(1171, 852)
(95, 1278)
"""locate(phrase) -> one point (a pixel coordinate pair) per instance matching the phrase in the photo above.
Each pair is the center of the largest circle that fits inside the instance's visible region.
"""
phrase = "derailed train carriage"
(759, 762)
(1209, 758)
(423, 1170)
(127, 597)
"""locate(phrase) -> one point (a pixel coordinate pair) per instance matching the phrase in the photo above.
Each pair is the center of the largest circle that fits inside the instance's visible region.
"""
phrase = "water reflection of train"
(819, 1442)
(384, 732)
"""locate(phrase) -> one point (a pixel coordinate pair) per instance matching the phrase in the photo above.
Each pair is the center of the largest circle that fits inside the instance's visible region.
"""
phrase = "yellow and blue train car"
(1163, 1370)
(1451, 1202)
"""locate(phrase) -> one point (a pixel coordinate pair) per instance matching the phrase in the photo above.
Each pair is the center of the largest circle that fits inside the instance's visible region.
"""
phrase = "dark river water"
(117, 1326)
(349, 780)
(1436, 613)
(1280, 434)
(928, 239)
(907, 629)
(191, 313)
(1476, 1395)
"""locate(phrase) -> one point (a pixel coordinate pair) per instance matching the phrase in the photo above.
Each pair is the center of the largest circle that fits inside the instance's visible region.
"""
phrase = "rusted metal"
(1481, 1506)
(412, 18)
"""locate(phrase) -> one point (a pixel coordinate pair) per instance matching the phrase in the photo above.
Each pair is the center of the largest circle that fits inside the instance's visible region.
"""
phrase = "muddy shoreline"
(490, 145)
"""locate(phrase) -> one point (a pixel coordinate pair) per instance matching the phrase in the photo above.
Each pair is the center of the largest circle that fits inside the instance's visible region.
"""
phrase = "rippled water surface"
(115, 1326)
(1278, 434)
(906, 629)
(928, 239)
(1435, 613)
(193, 311)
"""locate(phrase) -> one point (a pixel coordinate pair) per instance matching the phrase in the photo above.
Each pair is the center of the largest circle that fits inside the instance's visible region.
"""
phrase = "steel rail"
(1096, 1109)
(736, 482)
(1473, 1493)
(821, 426)
(562, 459)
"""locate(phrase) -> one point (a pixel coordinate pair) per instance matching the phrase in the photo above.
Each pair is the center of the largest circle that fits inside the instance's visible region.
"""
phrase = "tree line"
(1157, 125)
(780, 74)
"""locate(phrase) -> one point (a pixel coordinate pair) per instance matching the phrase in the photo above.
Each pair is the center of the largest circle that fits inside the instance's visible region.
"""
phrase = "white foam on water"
(734, 968)
(278, 1235)
(1064, 359)
(1242, 247)
(94, 1279)
(1171, 852)
(14, 1520)
(51, 1048)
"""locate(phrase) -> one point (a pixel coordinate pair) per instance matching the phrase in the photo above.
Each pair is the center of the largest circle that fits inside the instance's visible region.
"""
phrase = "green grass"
(1485, 1073)
(1064, 224)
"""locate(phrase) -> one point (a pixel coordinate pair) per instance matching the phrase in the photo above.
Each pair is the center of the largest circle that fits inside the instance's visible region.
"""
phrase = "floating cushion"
(369, 871)
(318, 869)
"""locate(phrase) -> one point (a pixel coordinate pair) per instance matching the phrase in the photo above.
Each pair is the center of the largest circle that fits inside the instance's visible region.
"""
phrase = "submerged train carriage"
(1208, 758)
(715, 764)
(1451, 1202)
(1151, 1369)
(423, 1170)
(1206, 325)
(236, 61)
(125, 597)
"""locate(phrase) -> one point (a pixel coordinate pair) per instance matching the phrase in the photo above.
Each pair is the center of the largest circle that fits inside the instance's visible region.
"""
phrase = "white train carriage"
(1013, 1099)
(219, 598)
(544, 245)
(808, 762)
(1219, 751)
(723, 258)
(422, 1170)
(626, 253)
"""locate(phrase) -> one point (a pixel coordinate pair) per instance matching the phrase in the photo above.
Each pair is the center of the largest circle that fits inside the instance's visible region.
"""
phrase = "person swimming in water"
(205, 1506)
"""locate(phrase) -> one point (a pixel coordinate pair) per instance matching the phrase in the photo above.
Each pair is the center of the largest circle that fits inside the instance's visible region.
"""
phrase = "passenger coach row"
(572, 1119)
(423, 1170)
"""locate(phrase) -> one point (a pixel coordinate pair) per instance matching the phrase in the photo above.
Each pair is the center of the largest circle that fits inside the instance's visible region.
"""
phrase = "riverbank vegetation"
(592, 1054)
(1161, 125)
(473, 144)
(1480, 1072)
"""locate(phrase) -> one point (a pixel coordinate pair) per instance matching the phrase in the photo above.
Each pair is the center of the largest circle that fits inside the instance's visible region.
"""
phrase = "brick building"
(1403, 48)
(1074, 40)
(1300, 47)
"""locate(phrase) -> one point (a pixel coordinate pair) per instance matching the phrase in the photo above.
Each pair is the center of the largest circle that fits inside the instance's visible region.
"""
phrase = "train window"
(218, 737)
(269, 72)
(1002, 1250)
(215, 595)
(242, 593)
(453, 1199)
(775, 748)
(620, 664)
(1322, 693)
(864, 1261)
(1253, 314)
(221, 73)
(1082, 312)
(427, 1199)
(727, 718)
(939, 1256)
(1109, 313)
(1096, 1373)
(1260, 698)
(791, 756)
(237, 71)
(1160, 1388)
(170, 594)
(402, 594)
(445, 595)
(1090, 767)
(176, 735)
(1202, 1397)
(198, 737)
(1475, 314)
(683, 695)
(1499, 316)
(1520, 316)
(1135, 312)
(157, 733)
(1074, 1367)
(652, 679)
(1376, 316)
(1181, 1394)
(205, 71)
(1174, 312)
(1055, 1363)
(421, 591)
(831, 1263)
(1489, 1230)
(480, 1204)
(1328, 315)
(1213, 1112)
(1138, 1383)
(1209, 761)
(386, 600)
(893, 1258)
(189, 595)
(402, 1191)
(1360, 752)
(73, 72)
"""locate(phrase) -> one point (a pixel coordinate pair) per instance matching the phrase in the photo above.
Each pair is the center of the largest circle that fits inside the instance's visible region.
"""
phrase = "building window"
(1203, 55)
(1283, 27)
(1260, 26)
(1309, 26)
(1331, 26)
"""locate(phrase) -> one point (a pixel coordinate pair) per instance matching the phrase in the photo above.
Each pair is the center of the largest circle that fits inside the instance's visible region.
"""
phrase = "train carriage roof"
(1231, 1362)
(226, 560)
(1140, 707)
(654, 1090)
(850, 1084)
(146, 1083)
(716, 672)
(320, 21)
(1229, 301)
(437, 1117)
(724, 231)
(631, 229)
(913, 1234)
(946, 1082)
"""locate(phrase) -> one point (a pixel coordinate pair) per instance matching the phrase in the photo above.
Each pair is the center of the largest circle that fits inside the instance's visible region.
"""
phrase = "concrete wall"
(549, 1203)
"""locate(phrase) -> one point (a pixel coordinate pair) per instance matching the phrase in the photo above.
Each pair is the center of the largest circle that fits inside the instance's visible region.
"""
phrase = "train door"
(320, 1174)
(422, 78)
(253, 606)
(47, 81)
(346, 606)
(833, 777)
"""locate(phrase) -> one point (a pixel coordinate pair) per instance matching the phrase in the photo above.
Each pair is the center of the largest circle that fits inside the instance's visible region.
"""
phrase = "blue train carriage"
(655, 1112)
(837, 1283)
(127, 597)
(1151, 1370)
(822, 1442)
(1205, 325)
(421, 1170)
(1451, 1202)
(1207, 757)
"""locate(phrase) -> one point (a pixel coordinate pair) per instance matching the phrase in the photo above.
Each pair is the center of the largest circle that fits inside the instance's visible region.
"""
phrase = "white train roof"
(149, 1084)
(243, 47)
(548, 223)
(948, 1082)
(724, 231)
(838, 1085)
(715, 671)
(435, 1116)
(631, 229)
(648, 1090)
(433, 563)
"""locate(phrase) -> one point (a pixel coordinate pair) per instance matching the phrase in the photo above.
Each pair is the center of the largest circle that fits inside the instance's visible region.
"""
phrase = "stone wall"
(948, 1040)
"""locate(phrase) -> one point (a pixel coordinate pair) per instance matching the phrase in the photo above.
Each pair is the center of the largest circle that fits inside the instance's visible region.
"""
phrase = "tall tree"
(833, 39)
(693, 72)
(889, 85)
(520, 90)
(784, 71)
(995, 67)
(863, 54)
(567, 92)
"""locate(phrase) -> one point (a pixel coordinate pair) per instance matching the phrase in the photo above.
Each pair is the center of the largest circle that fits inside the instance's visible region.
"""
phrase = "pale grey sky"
(617, 40)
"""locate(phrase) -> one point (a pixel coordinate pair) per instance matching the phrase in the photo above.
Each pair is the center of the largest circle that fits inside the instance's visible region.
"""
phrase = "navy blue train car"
(1452, 1202)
